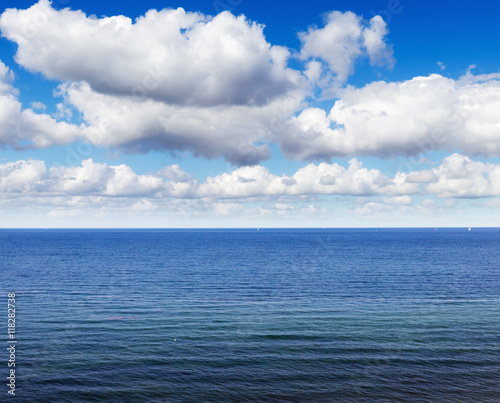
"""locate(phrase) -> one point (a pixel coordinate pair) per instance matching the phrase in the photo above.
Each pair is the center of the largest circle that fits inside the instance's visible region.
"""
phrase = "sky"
(238, 113)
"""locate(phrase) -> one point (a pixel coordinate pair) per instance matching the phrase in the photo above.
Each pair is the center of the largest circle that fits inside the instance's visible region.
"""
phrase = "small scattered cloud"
(38, 106)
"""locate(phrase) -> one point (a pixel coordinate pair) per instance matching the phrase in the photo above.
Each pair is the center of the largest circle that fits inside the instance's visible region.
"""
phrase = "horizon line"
(235, 228)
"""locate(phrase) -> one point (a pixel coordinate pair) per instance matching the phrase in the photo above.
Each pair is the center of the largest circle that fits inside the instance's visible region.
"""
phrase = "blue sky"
(239, 113)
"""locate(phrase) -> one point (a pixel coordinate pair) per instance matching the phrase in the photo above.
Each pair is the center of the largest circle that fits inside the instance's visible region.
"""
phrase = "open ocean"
(335, 315)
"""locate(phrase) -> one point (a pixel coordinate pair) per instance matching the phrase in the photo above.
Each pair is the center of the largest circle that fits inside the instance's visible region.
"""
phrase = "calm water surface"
(407, 315)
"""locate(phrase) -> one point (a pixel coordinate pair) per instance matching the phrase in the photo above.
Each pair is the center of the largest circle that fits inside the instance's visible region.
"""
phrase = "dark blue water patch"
(245, 315)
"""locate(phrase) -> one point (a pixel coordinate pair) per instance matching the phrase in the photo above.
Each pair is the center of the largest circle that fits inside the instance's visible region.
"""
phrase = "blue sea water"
(335, 315)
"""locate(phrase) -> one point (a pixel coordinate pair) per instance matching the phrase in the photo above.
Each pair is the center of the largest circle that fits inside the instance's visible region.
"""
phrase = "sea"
(247, 315)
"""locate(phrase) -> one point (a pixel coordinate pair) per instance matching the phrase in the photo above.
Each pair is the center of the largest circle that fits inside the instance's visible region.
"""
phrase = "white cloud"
(405, 118)
(24, 128)
(21, 176)
(90, 179)
(176, 80)
(213, 86)
(100, 179)
(322, 179)
(6, 78)
(10, 113)
(422, 177)
(174, 56)
(38, 105)
(231, 132)
(43, 131)
(379, 52)
(126, 183)
(242, 182)
(342, 40)
(459, 176)
(251, 191)
(175, 174)
(171, 80)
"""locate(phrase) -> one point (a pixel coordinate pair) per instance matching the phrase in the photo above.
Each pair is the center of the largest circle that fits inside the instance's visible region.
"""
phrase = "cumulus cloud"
(322, 179)
(251, 191)
(460, 177)
(179, 81)
(379, 52)
(343, 39)
(213, 86)
(175, 174)
(100, 179)
(457, 177)
(90, 179)
(21, 176)
(170, 80)
(235, 133)
(23, 128)
(44, 131)
(173, 56)
(403, 118)
(421, 177)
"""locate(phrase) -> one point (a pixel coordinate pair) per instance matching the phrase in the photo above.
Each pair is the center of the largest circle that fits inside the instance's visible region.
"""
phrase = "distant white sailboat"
(470, 229)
